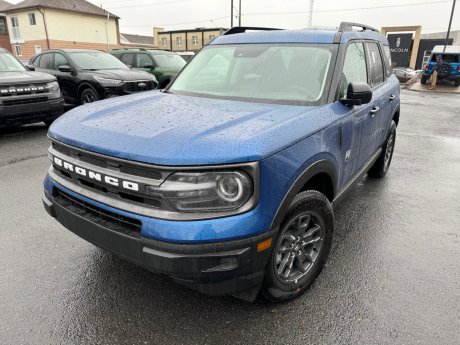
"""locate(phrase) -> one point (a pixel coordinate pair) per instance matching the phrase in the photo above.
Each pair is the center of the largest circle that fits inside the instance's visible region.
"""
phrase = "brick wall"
(5, 42)
(28, 48)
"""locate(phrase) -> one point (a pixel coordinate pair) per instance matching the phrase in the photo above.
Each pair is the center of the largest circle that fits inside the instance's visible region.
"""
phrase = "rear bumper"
(11, 115)
(225, 268)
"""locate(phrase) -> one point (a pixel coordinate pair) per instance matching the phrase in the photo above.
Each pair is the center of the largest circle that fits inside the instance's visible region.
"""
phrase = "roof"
(81, 6)
(136, 39)
(317, 36)
(4, 5)
(449, 49)
(193, 30)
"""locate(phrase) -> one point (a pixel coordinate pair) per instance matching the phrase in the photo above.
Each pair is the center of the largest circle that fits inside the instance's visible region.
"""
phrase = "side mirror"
(149, 66)
(30, 68)
(357, 94)
(65, 69)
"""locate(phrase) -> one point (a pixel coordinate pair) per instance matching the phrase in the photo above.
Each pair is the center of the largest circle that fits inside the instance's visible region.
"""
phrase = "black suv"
(86, 76)
(25, 96)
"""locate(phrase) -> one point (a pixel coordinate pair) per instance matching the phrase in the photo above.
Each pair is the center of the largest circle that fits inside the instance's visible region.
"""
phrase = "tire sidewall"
(89, 90)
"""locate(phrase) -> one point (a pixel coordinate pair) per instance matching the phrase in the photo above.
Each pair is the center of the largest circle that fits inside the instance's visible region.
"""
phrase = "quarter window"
(354, 67)
(375, 64)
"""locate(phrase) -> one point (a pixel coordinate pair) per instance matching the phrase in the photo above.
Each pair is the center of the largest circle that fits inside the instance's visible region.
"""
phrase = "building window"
(18, 50)
(38, 49)
(32, 20)
(3, 30)
(211, 37)
(179, 41)
(195, 40)
(164, 41)
(15, 28)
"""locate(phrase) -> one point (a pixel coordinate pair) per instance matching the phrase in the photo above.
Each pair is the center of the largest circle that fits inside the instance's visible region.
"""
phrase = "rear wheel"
(301, 249)
(88, 95)
(382, 164)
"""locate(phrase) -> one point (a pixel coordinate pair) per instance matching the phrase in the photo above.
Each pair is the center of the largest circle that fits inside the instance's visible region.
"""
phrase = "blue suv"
(226, 180)
(449, 68)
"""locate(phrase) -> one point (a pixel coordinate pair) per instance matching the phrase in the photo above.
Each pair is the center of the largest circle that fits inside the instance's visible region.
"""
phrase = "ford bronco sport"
(226, 180)
(26, 96)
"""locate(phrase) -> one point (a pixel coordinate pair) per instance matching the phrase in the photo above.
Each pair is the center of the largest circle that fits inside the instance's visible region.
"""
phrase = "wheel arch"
(320, 176)
(84, 85)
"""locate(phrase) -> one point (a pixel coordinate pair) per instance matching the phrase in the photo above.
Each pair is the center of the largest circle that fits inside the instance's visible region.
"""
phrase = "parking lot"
(393, 274)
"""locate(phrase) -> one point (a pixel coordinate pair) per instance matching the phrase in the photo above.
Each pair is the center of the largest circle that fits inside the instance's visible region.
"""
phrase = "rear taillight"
(426, 67)
(458, 69)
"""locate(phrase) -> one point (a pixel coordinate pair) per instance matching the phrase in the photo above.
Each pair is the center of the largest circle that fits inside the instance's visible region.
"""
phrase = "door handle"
(392, 98)
(374, 111)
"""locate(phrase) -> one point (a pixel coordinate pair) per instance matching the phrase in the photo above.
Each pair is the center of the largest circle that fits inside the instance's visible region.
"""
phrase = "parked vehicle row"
(77, 77)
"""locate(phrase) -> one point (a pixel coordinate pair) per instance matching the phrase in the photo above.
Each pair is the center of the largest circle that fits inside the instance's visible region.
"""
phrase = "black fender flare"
(86, 84)
(320, 166)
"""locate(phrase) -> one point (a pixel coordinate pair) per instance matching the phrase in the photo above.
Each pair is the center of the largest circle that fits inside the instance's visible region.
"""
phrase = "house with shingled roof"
(4, 37)
(38, 25)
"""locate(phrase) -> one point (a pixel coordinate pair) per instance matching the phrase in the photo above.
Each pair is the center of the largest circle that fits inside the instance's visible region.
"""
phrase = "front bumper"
(225, 268)
(19, 114)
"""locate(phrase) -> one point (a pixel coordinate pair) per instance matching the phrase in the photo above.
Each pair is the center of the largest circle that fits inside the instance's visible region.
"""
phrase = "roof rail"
(348, 26)
(242, 29)
(136, 49)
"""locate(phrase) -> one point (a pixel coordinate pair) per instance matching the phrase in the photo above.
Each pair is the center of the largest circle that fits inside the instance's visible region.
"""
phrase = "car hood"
(126, 75)
(170, 129)
(24, 77)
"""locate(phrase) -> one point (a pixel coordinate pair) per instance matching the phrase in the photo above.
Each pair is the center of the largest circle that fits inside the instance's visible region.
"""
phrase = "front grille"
(138, 86)
(108, 163)
(24, 101)
(125, 225)
(19, 90)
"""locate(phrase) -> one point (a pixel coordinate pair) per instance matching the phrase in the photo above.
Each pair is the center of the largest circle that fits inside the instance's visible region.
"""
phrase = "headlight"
(205, 191)
(53, 86)
(108, 82)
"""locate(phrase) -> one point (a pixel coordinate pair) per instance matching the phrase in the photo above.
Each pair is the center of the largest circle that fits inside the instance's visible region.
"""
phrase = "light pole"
(310, 13)
(239, 14)
(231, 15)
(450, 24)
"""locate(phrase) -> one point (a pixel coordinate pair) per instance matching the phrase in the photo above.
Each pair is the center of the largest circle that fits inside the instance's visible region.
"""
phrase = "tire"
(88, 95)
(382, 164)
(445, 70)
(457, 82)
(424, 79)
(310, 214)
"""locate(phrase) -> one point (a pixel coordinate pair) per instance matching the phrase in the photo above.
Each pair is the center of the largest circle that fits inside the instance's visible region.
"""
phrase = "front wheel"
(457, 82)
(301, 249)
(382, 164)
(88, 95)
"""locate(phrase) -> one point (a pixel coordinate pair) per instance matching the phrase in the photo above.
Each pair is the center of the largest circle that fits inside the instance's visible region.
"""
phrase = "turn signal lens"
(264, 245)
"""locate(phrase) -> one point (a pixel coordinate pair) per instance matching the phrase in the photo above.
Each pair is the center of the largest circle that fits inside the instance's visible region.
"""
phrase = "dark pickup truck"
(26, 96)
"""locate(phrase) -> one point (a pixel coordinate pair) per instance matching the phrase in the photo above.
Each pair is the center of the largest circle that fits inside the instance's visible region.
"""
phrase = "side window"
(59, 60)
(46, 61)
(354, 67)
(127, 59)
(142, 60)
(36, 61)
(375, 64)
(388, 62)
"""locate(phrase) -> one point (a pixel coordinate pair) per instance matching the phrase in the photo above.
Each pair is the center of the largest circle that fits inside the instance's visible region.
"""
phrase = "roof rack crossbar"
(242, 29)
(348, 26)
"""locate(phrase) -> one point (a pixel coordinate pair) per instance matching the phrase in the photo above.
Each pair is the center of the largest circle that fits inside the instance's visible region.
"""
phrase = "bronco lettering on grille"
(93, 175)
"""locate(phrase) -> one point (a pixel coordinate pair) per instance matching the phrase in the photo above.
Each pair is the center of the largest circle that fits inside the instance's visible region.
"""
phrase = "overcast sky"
(139, 16)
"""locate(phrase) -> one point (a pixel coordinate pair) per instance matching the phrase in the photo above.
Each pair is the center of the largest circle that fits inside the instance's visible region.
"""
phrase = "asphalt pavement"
(393, 276)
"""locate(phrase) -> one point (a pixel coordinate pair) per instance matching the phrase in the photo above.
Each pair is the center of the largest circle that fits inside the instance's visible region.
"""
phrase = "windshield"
(288, 74)
(169, 60)
(96, 61)
(9, 64)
